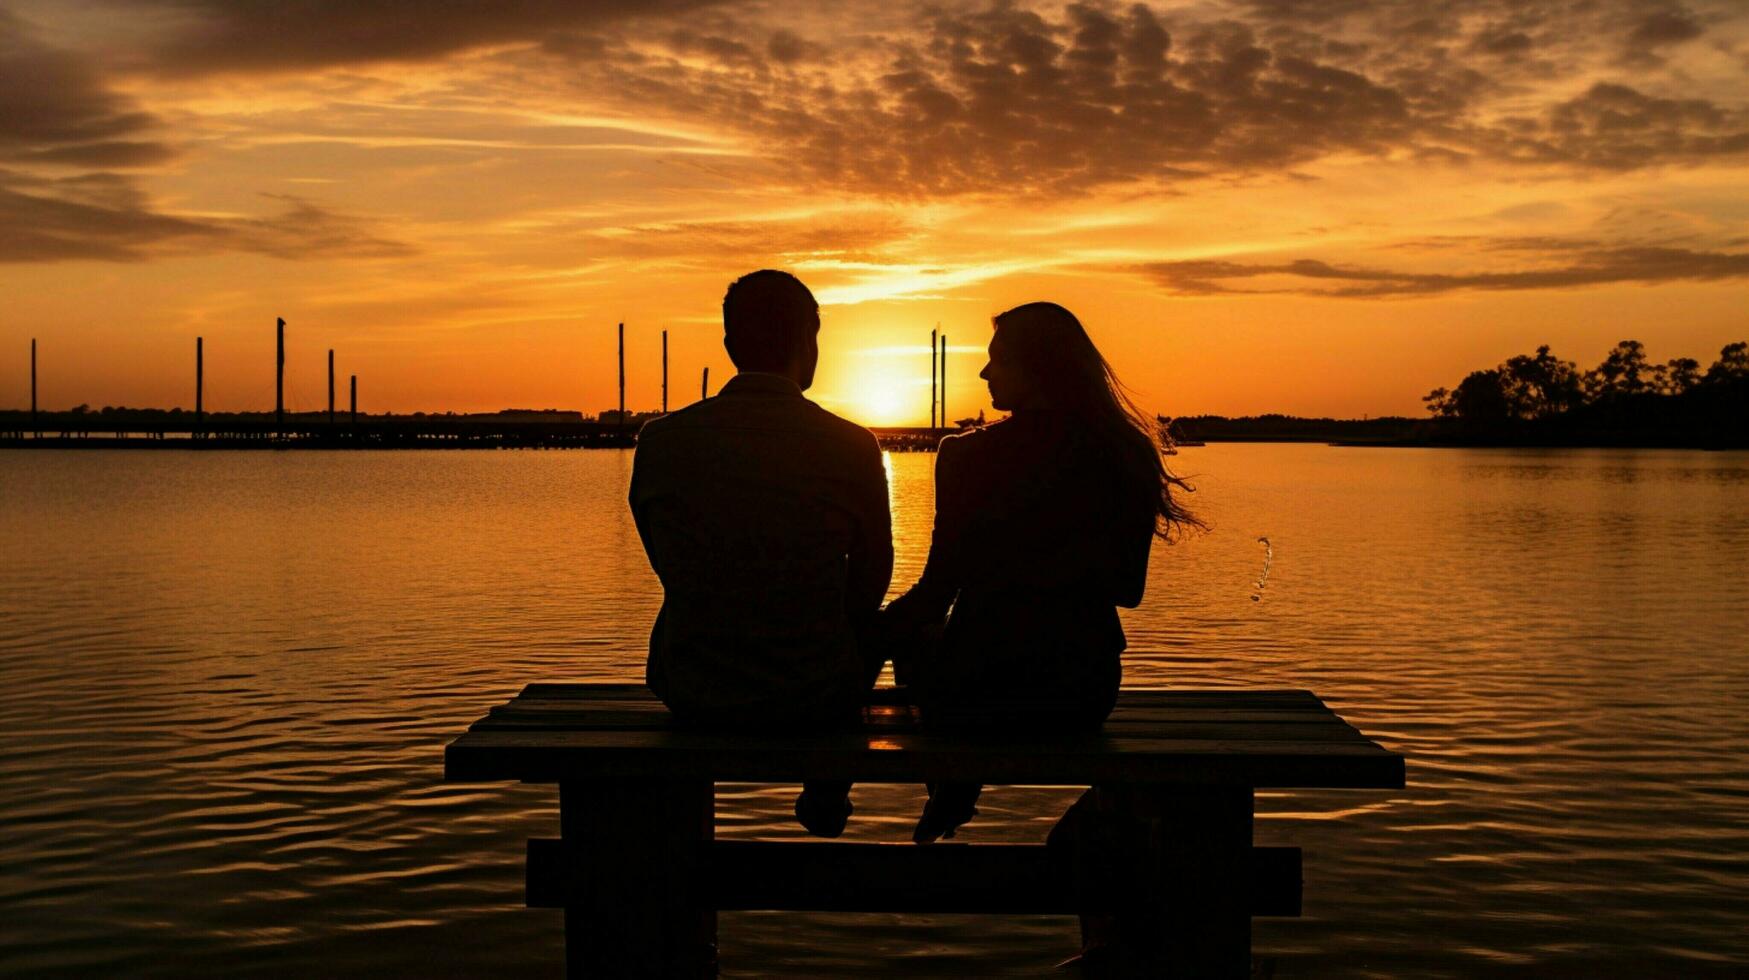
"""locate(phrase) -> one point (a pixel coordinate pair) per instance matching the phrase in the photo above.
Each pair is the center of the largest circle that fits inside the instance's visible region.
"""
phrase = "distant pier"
(147, 428)
(184, 430)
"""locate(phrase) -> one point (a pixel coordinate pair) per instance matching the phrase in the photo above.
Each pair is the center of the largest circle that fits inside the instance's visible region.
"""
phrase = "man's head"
(771, 324)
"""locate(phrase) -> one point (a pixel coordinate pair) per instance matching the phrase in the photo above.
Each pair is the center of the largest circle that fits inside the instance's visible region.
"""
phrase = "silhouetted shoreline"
(173, 429)
(1651, 430)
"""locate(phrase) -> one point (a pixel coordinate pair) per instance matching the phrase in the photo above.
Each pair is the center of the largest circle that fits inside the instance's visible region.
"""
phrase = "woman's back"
(1041, 531)
(1043, 524)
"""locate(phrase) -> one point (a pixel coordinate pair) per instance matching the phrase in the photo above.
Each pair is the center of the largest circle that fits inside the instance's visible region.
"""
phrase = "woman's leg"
(950, 805)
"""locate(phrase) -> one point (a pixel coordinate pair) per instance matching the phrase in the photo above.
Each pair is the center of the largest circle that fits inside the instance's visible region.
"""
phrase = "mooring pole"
(279, 381)
(330, 387)
(704, 385)
(33, 427)
(355, 399)
(944, 421)
(932, 369)
(199, 384)
(622, 375)
(664, 372)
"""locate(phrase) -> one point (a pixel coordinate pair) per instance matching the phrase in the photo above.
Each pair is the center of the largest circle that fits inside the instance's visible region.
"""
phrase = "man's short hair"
(767, 316)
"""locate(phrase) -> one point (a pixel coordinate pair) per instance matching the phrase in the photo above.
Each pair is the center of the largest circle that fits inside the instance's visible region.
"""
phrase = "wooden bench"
(640, 876)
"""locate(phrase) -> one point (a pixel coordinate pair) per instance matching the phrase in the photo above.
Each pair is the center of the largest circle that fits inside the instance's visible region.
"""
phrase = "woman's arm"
(927, 602)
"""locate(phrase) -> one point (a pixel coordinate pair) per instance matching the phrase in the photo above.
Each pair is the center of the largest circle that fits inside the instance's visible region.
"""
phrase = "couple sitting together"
(766, 519)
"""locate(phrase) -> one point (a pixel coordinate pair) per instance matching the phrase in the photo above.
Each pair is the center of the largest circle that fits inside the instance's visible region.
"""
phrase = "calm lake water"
(226, 680)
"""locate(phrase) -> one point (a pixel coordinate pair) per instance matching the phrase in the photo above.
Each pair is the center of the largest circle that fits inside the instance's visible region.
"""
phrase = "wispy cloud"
(1584, 267)
(919, 350)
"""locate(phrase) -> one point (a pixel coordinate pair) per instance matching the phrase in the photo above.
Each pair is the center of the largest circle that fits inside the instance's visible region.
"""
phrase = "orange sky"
(1253, 207)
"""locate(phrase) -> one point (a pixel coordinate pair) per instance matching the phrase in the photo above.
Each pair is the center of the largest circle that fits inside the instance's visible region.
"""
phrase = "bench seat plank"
(1261, 738)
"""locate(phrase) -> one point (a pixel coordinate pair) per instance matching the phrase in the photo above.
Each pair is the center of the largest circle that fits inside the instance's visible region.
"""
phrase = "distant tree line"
(1626, 400)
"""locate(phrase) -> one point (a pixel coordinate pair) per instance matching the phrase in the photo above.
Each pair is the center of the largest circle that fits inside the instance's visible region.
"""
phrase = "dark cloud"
(1012, 101)
(83, 218)
(56, 109)
(787, 48)
(103, 154)
(1645, 43)
(1008, 100)
(1615, 127)
(1503, 41)
(1585, 267)
(106, 217)
(301, 229)
(727, 51)
(280, 35)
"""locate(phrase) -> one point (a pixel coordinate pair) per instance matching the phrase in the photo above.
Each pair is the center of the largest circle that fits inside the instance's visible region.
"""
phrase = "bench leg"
(639, 908)
(1201, 848)
(1163, 876)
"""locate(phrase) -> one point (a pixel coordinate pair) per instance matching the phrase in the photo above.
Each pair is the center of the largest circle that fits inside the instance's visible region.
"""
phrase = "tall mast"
(704, 385)
(33, 384)
(664, 372)
(622, 374)
(330, 386)
(279, 381)
(932, 392)
(944, 422)
(199, 383)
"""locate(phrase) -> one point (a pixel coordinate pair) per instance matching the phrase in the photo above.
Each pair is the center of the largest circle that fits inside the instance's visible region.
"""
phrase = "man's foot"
(823, 814)
(941, 817)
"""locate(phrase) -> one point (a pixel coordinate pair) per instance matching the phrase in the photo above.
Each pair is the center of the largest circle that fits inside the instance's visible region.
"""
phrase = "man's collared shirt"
(766, 518)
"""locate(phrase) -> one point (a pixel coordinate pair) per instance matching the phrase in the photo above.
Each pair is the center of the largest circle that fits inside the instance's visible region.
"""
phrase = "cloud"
(303, 230)
(286, 35)
(106, 217)
(1012, 101)
(1311, 277)
(1615, 127)
(1659, 29)
(56, 109)
(94, 217)
(1007, 100)
(859, 236)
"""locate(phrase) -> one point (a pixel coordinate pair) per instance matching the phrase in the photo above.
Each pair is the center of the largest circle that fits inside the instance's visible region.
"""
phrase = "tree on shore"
(1732, 365)
(1626, 389)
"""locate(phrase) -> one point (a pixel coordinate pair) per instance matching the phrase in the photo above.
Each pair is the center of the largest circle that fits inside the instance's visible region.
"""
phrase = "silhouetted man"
(765, 516)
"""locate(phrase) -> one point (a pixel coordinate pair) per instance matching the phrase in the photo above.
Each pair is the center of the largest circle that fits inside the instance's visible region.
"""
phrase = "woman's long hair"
(1059, 360)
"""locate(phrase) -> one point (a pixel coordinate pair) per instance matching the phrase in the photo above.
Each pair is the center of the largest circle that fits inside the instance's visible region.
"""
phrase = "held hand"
(910, 636)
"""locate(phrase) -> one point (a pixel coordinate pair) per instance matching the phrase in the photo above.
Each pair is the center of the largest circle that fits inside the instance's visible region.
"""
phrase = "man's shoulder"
(697, 413)
(838, 427)
(723, 418)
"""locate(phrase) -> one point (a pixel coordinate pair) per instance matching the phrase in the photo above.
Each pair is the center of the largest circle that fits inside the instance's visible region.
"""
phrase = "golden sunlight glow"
(466, 214)
(882, 403)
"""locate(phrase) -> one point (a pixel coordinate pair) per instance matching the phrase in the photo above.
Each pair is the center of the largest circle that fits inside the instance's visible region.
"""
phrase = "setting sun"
(884, 400)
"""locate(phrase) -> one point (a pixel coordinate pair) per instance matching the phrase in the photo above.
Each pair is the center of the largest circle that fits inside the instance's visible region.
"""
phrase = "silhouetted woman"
(1043, 522)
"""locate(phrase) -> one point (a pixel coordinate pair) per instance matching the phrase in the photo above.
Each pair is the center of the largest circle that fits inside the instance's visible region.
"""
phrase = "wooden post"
(622, 375)
(639, 907)
(1197, 854)
(664, 372)
(355, 400)
(932, 393)
(704, 385)
(330, 387)
(199, 384)
(33, 427)
(279, 381)
(944, 422)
